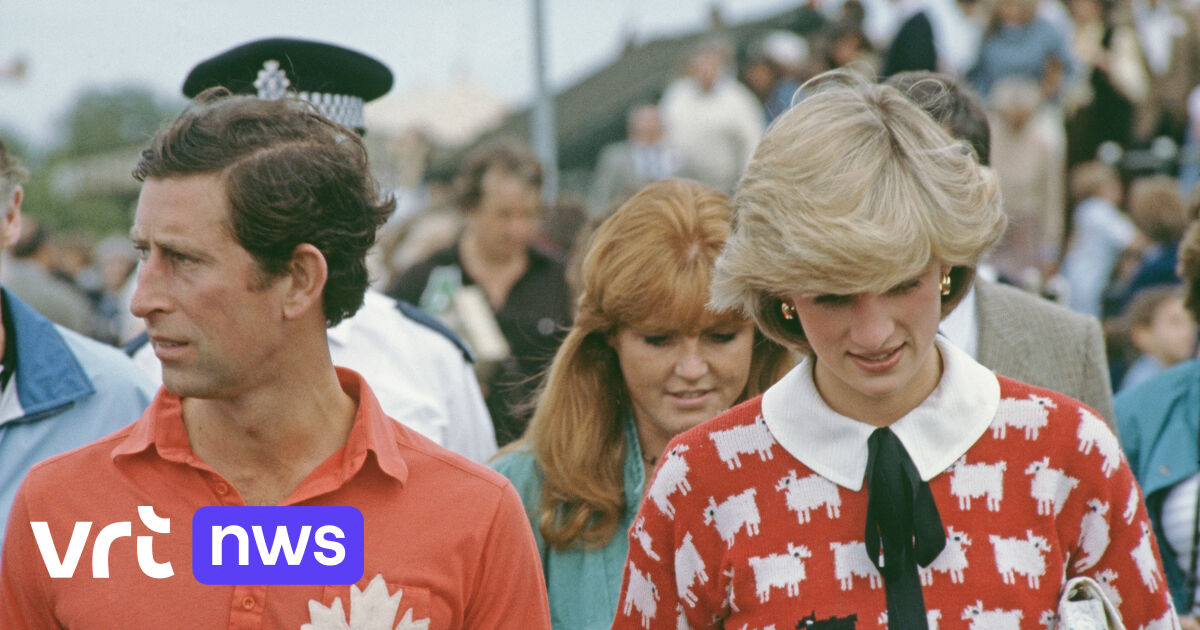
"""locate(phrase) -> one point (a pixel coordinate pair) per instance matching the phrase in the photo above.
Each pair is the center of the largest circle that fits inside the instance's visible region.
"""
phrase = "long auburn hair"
(649, 264)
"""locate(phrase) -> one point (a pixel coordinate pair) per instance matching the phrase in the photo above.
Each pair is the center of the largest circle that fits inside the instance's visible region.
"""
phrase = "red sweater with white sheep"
(736, 532)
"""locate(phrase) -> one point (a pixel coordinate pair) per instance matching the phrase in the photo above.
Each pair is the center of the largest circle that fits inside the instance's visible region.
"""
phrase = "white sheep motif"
(1106, 580)
(1093, 431)
(1143, 557)
(732, 514)
(671, 477)
(850, 560)
(810, 493)
(689, 568)
(996, 619)
(1050, 486)
(744, 440)
(728, 599)
(681, 622)
(1028, 414)
(643, 538)
(1131, 505)
(1165, 622)
(779, 570)
(1093, 534)
(972, 481)
(952, 559)
(1020, 556)
(932, 617)
(1049, 619)
(642, 595)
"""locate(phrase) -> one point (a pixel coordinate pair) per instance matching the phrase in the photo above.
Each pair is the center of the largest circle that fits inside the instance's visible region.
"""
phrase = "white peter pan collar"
(937, 432)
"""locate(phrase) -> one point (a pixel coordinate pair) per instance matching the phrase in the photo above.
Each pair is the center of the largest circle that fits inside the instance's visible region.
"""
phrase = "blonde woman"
(888, 478)
(644, 360)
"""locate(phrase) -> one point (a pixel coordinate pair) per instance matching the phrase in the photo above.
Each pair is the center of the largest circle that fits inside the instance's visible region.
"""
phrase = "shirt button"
(248, 603)
(1163, 470)
(221, 488)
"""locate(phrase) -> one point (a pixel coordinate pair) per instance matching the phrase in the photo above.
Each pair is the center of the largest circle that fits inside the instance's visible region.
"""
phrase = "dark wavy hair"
(291, 177)
(952, 104)
(1188, 268)
(504, 155)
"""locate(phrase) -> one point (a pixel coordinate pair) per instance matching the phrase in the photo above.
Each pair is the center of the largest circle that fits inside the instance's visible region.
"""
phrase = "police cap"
(334, 79)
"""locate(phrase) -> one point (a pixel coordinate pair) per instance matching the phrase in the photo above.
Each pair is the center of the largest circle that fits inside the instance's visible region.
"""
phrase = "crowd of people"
(831, 342)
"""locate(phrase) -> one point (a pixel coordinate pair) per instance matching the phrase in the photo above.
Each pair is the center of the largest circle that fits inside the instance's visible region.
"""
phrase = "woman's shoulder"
(1060, 418)
(1137, 406)
(1011, 388)
(1060, 432)
(1168, 384)
(520, 466)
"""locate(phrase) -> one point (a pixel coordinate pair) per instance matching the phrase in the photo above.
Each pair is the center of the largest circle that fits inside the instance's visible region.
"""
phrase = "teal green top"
(584, 585)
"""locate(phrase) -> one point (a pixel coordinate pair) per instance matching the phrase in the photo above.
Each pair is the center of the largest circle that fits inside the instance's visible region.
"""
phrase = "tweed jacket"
(1065, 355)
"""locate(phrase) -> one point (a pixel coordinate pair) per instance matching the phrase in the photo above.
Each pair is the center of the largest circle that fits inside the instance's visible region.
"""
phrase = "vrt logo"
(65, 567)
(287, 544)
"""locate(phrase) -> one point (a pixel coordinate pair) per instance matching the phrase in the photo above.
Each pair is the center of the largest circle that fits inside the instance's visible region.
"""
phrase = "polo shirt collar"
(936, 433)
(161, 426)
(373, 431)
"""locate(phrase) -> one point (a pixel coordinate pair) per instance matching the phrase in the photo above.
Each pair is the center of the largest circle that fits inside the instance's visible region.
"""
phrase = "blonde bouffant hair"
(649, 265)
(855, 189)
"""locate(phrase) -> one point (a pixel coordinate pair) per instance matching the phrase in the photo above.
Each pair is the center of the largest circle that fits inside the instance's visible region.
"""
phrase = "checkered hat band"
(340, 108)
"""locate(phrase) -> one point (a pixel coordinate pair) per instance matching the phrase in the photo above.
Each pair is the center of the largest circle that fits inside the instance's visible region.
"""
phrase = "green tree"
(104, 119)
(84, 183)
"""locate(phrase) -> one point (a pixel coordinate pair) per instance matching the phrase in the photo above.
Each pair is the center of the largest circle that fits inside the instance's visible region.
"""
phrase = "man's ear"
(10, 223)
(306, 275)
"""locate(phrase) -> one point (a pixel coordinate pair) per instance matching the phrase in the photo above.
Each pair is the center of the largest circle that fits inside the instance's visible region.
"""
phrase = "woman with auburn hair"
(645, 359)
(888, 478)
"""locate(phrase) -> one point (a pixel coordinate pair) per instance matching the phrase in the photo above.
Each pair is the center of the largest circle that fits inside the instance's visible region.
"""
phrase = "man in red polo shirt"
(252, 225)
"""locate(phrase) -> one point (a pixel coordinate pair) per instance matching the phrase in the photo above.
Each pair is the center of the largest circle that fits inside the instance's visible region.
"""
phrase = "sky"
(71, 45)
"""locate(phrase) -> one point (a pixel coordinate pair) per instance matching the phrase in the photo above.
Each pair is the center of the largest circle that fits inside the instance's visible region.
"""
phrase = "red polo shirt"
(446, 536)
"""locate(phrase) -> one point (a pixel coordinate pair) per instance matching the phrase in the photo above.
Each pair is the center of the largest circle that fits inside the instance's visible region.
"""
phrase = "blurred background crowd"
(1094, 115)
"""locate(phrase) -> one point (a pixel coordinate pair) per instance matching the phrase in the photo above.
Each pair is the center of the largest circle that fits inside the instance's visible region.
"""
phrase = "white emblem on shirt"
(641, 594)
(1028, 414)
(972, 481)
(745, 439)
(850, 560)
(1023, 556)
(1094, 432)
(810, 493)
(371, 608)
(779, 570)
(1050, 486)
(732, 514)
(1093, 534)
(671, 476)
(952, 559)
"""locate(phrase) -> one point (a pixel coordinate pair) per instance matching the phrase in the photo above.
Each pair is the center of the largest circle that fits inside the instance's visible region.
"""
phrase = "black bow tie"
(902, 515)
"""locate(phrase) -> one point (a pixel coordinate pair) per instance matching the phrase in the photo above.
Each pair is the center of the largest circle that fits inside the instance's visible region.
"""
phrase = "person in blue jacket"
(644, 361)
(1159, 426)
(58, 389)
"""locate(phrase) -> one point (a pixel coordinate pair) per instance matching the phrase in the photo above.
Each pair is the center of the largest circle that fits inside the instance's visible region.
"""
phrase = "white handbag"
(1084, 606)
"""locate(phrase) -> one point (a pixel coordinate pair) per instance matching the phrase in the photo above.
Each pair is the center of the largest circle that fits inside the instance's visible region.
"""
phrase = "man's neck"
(267, 441)
(474, 251)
